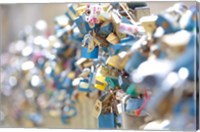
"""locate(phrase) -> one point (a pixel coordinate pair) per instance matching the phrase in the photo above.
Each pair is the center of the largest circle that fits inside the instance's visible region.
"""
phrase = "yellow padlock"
(100, 83)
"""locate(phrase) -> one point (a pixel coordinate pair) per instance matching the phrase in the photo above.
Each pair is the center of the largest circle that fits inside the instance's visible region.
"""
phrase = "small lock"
(100, 83)
(123, 82)
(106, 121)
(82, 25)
(84, 86)
(149, 24)
(124, 45)
(105, 29)
(131, 90)
(71, 12)
(116, 22)
(100, 41)
(92, 55)
(114, 61)
(112, 38)
(112, 82)
(83, 63)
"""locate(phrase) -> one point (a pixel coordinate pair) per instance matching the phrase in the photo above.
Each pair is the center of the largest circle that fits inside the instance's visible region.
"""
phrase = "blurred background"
(13, 19)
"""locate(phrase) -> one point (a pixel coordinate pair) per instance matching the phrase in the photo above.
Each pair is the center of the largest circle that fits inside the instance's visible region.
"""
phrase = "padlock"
(84, 85)
(106, 121)
(124, 45)
(116, 21)
(92, 55)
(99, 40)
(114, 61)
(167, 23)
(83, 63)
(136, 59)
(82, 25)
(71, 12)
(112, 82)
(123, 82)
(112, 38)
(105, 29)
(131, 90)
(149, 24)
(130, 120)
(100, 82)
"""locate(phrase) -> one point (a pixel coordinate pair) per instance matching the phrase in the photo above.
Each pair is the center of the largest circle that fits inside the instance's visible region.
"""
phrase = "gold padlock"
(99, 40)
(114, 61)
(149, 24)
(83, 63)
(113, 38)
(116, 23)
(124, 59)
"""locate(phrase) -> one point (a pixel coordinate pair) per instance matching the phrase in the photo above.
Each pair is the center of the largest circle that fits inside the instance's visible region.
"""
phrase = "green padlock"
(112, 82)
(131, 90)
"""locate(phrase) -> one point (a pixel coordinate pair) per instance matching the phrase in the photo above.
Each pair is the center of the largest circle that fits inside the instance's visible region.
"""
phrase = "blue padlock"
(106, 121)
(133, 104)
(82, 25)
(84, 85)
(123, 82)
(105, 29)
(167, 24)
(71, 12)
(89, 55)
(124, 45)
(136, 59)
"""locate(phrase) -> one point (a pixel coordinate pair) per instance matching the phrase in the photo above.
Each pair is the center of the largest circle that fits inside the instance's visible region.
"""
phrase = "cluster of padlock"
(142, 65)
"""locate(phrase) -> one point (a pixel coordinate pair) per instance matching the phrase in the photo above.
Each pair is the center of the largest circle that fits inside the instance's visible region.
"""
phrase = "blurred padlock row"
(139, 68)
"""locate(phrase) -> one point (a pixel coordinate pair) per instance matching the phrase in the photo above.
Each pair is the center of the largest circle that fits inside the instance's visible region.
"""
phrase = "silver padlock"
(130, 121)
